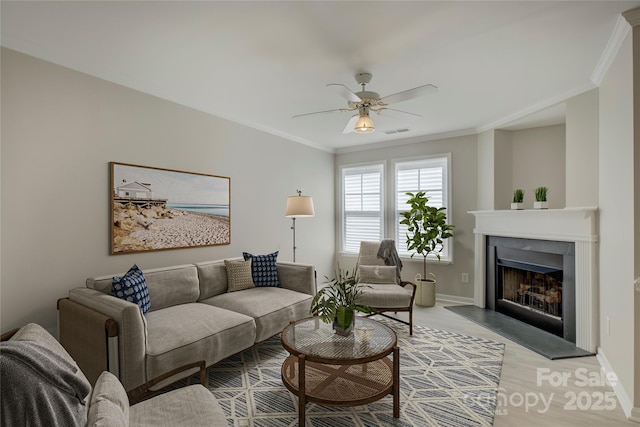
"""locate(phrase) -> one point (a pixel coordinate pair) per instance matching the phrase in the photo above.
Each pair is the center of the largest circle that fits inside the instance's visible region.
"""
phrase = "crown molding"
(613, 45)
(632, 16)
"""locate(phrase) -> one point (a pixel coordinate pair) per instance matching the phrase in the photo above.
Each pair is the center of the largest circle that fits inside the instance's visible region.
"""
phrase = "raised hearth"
(577, 226)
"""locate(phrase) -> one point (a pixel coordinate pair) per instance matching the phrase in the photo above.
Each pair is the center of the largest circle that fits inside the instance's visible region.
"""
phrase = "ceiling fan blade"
(351, 124)
(318, 112)
(409, 94)
(345, 92)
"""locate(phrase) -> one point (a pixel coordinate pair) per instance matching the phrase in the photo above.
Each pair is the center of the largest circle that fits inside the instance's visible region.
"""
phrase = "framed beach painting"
(155, 209)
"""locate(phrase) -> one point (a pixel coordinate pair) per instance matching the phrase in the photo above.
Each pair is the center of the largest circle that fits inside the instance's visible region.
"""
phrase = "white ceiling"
(260, 63)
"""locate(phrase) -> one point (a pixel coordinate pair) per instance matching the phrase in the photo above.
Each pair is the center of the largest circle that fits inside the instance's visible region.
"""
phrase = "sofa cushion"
(132, 287)
(380, 274)
(193, 405)
(187, 333)
(385, 296)
(212, 276)
(272, 308)
(109, 404)
(264, 268)
(238, 275)
(167, 285)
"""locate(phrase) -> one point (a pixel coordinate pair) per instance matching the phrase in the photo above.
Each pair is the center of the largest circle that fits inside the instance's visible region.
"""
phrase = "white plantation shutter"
(429, 175)
(362, 215)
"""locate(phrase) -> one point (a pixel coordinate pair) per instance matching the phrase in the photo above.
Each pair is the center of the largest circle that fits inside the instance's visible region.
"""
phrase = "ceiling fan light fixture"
(364, 123)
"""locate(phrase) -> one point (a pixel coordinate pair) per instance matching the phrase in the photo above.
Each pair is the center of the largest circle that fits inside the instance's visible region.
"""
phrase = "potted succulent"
(426, 232)
(336, 302)
(518, 198)
(541, 198)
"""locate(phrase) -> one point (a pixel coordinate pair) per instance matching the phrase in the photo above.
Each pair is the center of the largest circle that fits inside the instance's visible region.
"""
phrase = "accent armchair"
(379, 268)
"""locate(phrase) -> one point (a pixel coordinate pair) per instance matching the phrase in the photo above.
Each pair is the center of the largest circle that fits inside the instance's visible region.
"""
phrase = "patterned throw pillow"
(132, 287)
(238, 275)
(264, 269)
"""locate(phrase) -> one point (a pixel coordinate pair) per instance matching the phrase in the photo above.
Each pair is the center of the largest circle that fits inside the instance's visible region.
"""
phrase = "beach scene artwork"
(155, 209)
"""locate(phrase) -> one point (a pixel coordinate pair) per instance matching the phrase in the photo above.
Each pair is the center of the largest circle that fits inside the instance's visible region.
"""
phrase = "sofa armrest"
(297, 277)
(132, 332)
(146, 390)
(89, 337)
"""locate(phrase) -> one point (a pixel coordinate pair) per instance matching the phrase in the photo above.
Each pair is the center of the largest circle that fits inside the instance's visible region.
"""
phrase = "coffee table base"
(342, 385)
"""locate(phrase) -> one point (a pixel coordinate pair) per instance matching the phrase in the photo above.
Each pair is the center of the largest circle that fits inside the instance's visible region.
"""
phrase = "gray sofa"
(192, 317)
(43, 386)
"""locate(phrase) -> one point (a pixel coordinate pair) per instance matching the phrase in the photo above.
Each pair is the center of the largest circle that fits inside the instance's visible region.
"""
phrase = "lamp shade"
(299, 206)
(364, 125)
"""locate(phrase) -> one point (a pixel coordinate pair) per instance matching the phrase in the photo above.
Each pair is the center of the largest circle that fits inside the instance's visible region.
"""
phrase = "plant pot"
(517, 206)
(344, 321)
(426, 292)
(540, 205)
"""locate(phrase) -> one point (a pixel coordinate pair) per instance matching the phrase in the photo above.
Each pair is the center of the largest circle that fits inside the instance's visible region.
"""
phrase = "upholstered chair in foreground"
(379, 268)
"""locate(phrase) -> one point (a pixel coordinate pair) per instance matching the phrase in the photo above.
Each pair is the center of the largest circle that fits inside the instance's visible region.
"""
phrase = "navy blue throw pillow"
(264, 270)
(132, 287)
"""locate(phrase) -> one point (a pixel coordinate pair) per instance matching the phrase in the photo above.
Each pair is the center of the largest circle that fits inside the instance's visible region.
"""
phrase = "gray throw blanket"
(387, 251)
(40, 388)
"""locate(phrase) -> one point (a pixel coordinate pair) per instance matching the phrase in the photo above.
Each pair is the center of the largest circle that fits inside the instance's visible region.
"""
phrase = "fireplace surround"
(575, 226)
(533, 281)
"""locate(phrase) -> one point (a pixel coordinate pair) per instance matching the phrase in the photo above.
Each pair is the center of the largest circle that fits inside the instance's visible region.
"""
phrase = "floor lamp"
(298, 207)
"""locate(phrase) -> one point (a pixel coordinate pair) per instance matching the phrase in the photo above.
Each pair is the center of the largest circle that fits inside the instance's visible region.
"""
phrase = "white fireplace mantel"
(577, 225)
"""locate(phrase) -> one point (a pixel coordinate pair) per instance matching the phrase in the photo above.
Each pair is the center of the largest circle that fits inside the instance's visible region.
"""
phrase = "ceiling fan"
(366, 101)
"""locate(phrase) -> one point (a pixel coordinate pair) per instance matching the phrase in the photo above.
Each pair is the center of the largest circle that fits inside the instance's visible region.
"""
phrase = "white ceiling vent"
(391, 132)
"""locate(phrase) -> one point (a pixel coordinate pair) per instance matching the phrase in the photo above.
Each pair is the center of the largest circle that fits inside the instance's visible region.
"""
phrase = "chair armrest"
(404, 284)
(9, 334)
(145, 391)
(297, 277)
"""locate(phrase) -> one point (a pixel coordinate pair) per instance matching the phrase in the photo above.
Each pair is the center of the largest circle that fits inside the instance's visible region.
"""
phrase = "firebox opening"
(531, 293)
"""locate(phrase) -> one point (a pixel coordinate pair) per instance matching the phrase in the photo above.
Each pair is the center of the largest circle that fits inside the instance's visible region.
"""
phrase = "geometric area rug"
(447, 379)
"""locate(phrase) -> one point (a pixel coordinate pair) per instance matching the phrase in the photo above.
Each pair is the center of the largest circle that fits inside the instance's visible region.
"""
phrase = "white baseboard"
(454, 298)
(632, 413)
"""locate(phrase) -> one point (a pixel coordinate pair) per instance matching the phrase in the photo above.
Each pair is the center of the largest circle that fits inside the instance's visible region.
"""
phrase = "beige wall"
(539, 161)
(463, 191)
(503, 170)
(616, 203)
(582, 150)
(486, 167)
(60, 130)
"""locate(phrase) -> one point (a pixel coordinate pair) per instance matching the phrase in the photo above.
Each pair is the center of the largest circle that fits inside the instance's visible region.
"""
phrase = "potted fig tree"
(427, 230)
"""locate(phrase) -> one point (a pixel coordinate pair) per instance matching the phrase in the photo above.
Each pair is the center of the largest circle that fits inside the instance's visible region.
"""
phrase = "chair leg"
(411, 321)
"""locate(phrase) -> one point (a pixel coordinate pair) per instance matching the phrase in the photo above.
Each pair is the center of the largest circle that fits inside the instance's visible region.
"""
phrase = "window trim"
(447, 202)
(382, 167)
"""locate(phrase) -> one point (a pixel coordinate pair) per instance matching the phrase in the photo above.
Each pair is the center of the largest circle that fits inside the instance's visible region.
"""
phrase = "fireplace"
(552, 228)
(533, 281)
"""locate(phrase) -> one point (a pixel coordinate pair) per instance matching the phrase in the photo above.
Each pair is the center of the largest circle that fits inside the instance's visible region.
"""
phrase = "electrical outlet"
(465, 278)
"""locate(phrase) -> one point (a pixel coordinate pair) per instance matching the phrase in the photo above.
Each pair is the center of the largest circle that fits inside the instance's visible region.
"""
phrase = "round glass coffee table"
(331, 369)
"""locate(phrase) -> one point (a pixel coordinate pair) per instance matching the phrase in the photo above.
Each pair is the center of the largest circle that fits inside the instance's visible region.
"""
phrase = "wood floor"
(536, 391)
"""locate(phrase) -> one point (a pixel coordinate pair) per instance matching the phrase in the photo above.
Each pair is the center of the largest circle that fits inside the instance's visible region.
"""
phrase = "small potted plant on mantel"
(337, 302)
(426, 232)
(541, 198)
(518, 198)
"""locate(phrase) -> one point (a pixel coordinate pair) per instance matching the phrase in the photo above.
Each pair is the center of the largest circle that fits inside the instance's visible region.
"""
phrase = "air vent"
(391, 132)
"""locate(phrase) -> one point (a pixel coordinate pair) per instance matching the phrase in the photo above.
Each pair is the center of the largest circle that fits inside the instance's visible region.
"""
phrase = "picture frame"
(154, 209)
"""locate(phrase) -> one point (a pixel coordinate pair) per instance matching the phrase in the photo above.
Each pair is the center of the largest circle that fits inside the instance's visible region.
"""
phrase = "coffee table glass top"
(315, 338)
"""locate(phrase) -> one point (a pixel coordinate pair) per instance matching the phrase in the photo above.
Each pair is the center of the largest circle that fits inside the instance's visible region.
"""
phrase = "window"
(362, 213)
(430, 175)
